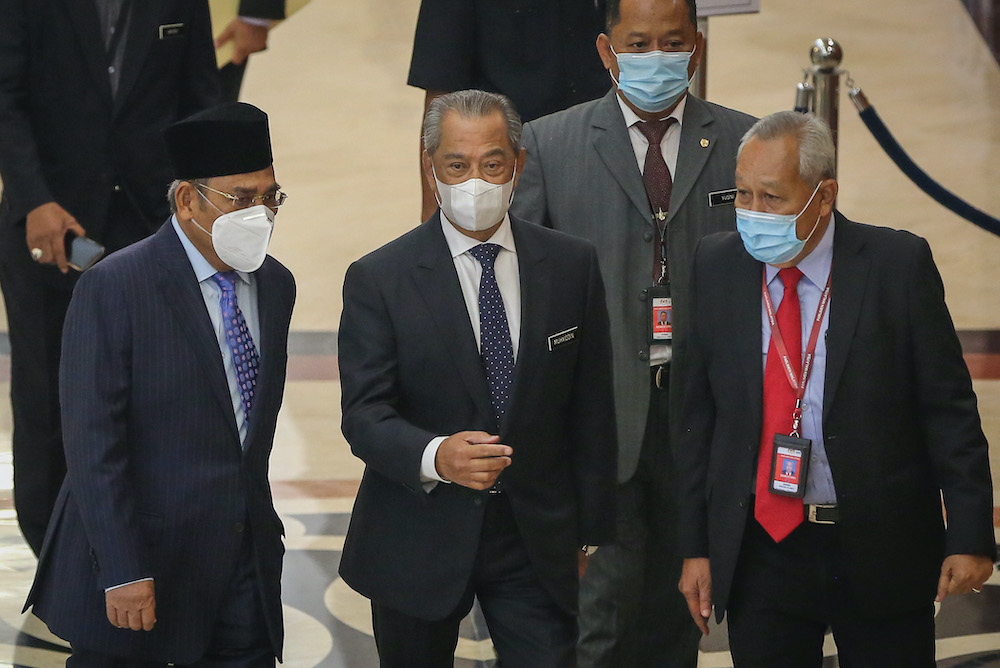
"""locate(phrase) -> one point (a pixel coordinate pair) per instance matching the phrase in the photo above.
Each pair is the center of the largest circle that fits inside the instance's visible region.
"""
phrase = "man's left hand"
(961, 573)
(246, 37)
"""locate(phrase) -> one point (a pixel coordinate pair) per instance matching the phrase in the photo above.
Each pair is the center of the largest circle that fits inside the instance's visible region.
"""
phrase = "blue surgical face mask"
(654, 80)
(770, 237)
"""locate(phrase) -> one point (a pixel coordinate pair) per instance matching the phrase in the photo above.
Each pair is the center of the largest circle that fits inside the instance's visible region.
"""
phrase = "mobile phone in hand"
(82, 253)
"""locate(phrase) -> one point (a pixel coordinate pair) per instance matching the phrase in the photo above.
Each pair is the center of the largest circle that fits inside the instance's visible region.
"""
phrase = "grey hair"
(817, 154)
(172, 191)
(470, 104)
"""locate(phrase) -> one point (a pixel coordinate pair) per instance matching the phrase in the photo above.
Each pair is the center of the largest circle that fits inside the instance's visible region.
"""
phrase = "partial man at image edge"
(86, 89)
(590, 172)
(539, 54)
(475, 364)
(248, 33)
(164, 545)
(826, 343)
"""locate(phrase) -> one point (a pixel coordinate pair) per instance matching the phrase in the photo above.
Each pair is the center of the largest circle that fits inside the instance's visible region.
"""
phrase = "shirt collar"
(459, 243)
(816, 265)
(203, 270)
(631, 118)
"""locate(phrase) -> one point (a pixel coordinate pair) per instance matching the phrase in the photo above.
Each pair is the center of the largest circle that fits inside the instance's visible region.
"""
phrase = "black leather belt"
(821, 514)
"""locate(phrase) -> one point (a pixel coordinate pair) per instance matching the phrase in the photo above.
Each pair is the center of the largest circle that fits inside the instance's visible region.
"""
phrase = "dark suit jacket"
(900, 423)
(581, 177)
(157, 484)
(263, 9)
(64, 138)
(539, 53)
(410, 371)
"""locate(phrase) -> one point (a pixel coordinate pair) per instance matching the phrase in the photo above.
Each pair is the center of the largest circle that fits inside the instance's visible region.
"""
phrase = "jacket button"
(117, 188)
(647, 235)
(644, 355)
(478, 500)
(238, 527)
(643, 294)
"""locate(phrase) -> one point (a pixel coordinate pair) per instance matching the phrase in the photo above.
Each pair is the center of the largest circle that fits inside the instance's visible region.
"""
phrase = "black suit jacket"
(64, 138)
(900, 422)
(157, 483)
(410, 371)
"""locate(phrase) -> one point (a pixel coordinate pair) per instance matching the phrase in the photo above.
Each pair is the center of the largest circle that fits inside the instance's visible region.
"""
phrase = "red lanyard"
(798, 384)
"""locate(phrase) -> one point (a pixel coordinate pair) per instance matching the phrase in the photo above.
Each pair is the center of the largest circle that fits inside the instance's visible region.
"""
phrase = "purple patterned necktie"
(495, 344)
(239, 340)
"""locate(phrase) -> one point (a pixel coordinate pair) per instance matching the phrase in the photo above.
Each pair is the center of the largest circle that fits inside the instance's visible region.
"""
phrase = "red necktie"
(656, 179)
(779, 515)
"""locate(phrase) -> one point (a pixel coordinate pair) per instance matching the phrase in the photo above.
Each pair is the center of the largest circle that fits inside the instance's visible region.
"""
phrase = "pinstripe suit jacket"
(157, 484)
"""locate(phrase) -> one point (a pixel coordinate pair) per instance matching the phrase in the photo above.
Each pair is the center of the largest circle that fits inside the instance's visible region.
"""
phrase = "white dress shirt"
(470, 274)
(669, 146)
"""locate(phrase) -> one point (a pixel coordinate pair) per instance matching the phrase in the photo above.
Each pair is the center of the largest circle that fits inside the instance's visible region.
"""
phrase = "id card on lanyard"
(790, 453)
(660, 305)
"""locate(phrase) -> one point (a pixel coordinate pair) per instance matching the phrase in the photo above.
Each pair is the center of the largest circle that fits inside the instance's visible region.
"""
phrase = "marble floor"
(346, 129)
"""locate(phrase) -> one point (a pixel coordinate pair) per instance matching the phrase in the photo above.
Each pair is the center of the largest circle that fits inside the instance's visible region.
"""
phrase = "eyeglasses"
(270, 200)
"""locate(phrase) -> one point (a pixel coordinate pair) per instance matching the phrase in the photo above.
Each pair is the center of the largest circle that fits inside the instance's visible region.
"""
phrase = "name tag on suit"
(721, 197)
(563, 338)
(168, 30)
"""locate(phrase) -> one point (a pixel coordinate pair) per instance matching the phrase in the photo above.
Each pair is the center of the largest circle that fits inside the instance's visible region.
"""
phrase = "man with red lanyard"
(828, 411)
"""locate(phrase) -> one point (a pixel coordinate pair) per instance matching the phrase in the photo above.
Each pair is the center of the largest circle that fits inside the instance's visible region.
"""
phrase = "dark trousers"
(631, 613)
(36, 298)
(526, 625)
(231, 80)
(239, 638)
(35, 314)
(785, 597)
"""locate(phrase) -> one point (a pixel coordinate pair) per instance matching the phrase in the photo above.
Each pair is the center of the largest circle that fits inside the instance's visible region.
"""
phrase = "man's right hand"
(472, 459)
(132, 606)
(696, 586)
(46, 228)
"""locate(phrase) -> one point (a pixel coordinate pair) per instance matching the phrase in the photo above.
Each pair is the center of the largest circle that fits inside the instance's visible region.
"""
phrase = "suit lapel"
(180, 289)
(83, 16)
(142, 25)
(849, 278)
(693, 152)
(746, 315)
(534, 276)
(269, 350)
(612, 143)
(437, 282)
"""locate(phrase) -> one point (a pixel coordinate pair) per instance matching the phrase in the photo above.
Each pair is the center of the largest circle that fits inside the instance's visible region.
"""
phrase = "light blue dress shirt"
(816, 269)
(246, 297)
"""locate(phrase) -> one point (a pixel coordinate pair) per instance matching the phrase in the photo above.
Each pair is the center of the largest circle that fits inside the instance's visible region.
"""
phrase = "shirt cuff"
(255, 21)
(125, 584)
(428, 471)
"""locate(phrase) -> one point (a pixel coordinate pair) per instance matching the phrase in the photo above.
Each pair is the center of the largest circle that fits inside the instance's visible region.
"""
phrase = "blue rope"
(944, 197)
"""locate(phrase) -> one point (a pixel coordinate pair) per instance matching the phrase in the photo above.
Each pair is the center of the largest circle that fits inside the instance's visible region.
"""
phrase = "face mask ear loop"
(816, 224)
(436, 197)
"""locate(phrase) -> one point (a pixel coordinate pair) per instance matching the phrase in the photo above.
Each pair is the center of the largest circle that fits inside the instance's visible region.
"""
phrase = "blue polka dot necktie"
(495, 345)
(238, 339)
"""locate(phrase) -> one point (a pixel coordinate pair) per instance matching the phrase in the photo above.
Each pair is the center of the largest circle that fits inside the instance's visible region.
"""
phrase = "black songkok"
(230, 138)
